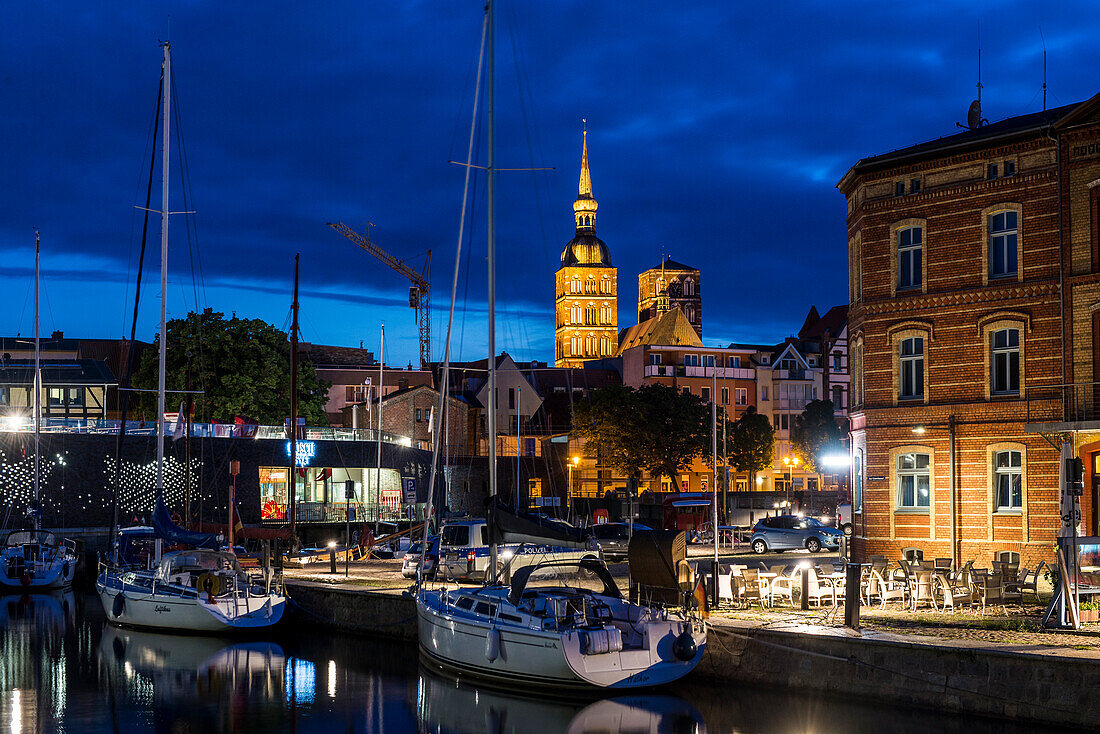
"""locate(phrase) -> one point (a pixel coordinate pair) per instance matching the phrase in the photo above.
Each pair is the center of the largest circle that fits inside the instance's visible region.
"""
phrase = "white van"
(844, 519)
(464, 552)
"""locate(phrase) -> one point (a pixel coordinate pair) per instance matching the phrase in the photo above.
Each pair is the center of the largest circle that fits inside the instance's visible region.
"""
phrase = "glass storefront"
(322, 496)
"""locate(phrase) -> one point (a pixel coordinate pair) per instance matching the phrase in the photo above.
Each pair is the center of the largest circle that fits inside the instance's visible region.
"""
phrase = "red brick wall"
(954, 304)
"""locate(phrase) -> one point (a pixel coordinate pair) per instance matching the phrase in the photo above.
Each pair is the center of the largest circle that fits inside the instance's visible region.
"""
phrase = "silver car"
(790, 532)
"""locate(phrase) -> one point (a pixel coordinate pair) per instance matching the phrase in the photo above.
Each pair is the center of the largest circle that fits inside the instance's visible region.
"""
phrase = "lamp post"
(234, 470)
(791, 462)
(573, 461)
(920, 430)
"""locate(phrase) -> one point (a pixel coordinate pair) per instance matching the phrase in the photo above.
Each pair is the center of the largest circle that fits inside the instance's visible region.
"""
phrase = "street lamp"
(791, 462)
(573, 461)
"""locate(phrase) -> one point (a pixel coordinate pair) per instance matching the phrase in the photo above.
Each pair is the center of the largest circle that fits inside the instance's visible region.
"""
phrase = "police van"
(464, 552)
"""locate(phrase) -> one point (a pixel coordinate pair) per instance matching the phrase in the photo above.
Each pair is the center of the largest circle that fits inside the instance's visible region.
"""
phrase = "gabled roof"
(781, 350)
(828, 326)
(58, 372)
(669, 329)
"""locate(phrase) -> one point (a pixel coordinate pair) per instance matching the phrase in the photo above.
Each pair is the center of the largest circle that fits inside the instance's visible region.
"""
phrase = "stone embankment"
(1052, 684)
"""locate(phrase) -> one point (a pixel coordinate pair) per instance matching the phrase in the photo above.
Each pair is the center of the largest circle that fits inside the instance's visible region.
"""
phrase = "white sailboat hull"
(547, 658)
(54, 573)
(140, 608)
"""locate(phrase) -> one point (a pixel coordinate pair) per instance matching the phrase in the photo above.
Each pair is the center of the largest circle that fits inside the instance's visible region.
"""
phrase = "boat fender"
(492, 644)
(65, 570)
(118, 606)
(684, 647)
(25, 579)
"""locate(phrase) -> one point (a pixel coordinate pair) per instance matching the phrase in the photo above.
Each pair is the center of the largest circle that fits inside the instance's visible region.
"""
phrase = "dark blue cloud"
(717, 133)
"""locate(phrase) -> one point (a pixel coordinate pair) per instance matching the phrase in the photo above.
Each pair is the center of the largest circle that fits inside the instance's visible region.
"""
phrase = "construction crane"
(419, 293)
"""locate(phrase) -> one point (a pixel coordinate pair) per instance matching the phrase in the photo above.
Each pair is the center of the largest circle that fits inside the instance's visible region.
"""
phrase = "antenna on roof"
(974, 118)
(1044, 67)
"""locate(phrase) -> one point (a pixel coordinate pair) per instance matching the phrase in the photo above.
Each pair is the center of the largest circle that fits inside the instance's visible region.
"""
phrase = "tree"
(242, 367)
(816, 434)
(753, 444)
(654, 428)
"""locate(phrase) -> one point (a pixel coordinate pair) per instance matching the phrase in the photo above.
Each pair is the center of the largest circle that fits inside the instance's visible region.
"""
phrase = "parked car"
(412, 558)
(614, 539)
(790, 532)
(844, 519)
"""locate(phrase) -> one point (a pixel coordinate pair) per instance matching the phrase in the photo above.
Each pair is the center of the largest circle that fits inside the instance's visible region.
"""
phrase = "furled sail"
(173, 533)
(507, 525)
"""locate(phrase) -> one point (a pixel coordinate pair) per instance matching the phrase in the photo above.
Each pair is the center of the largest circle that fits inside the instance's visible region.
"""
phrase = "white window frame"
(1003, 485)
(1004, 241)
(912, 476)
(1004, 370)
(911, 369)
(914, 253)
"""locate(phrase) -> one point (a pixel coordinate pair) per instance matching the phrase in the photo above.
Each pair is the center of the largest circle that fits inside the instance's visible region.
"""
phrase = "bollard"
(805, 588)
(332, 558)
(852, 596)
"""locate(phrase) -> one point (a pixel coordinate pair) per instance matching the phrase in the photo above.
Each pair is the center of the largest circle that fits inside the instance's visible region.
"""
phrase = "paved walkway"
(1018, 631)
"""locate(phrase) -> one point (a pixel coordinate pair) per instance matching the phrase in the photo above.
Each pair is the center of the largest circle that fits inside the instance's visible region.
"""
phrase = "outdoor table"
(766, 577)
(834, 580)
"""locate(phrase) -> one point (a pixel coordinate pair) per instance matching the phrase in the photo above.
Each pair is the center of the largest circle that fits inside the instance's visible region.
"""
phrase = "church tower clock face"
(586, 286)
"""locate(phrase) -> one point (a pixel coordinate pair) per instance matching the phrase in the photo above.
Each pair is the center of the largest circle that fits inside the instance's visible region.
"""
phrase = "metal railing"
(678, 370)
(1070, 403)
(24, 424)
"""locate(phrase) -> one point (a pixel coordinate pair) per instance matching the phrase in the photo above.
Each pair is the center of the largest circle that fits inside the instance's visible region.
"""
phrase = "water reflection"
(62, 668)
(449, 706)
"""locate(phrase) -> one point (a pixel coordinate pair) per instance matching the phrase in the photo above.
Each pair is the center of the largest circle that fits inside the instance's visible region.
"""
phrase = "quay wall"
(1052, 689)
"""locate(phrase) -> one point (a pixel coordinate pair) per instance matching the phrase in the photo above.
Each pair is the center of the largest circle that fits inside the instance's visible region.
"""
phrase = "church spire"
(584, 208)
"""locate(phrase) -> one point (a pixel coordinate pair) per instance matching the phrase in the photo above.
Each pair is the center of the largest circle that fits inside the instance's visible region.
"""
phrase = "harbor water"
(64, 669)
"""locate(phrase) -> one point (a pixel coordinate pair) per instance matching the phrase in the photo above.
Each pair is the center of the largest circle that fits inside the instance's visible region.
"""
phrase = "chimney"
(403, 383)
(58, 335)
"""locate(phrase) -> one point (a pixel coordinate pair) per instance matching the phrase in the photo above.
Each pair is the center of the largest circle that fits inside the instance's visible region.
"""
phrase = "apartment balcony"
(792, 375)
(679, 370)
(1057, 408)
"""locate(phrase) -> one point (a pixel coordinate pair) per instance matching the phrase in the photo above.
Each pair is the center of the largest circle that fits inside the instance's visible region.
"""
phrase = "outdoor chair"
(783, 584)
(886, 590)
(920, 588)
(992, 592)
(954, 593)
(943, 564)
(752, 590)
(726, 589)
(1029, 580)
(815, 590)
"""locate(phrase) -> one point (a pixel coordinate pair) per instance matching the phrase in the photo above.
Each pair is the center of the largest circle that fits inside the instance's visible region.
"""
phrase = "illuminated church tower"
(587, 288)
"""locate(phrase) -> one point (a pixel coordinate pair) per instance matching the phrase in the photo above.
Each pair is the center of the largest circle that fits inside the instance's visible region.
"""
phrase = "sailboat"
(34, 559)
(560, 624)
(199, 590)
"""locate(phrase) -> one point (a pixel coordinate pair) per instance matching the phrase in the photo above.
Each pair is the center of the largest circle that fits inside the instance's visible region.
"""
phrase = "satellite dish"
(974, 115)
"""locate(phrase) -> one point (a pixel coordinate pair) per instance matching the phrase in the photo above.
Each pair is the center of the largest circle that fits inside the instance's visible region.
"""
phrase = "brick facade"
(952, 189)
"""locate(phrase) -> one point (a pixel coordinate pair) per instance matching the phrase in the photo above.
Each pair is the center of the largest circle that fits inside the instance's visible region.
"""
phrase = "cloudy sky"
(717, 133)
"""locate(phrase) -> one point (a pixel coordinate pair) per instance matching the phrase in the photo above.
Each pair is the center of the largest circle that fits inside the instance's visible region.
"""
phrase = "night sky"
(717, 133)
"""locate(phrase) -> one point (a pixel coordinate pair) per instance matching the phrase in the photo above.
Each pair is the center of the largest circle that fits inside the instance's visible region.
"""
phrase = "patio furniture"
(726, 590)
(953, 592)
(885, 589)
(815, 590)
(1029, 580)
(943, 564)
(753, 589)
(992, 592)
(783, 585)
(920, 588)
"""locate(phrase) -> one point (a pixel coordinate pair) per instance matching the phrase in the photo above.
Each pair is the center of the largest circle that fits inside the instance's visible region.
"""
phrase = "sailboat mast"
(292, 484)
(37, 383)
(378, 436)
(490, 232)
(163, 268)
(714, 457)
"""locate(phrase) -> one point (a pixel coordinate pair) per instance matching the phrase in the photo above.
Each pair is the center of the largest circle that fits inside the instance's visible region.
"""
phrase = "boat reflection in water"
(451, 706)
(33, 686)
(194, 679)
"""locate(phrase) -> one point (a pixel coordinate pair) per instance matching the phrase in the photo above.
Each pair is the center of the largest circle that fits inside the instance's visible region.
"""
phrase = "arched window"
(689, 287)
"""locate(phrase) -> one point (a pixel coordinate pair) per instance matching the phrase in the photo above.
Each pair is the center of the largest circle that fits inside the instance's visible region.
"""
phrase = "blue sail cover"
(173, 533)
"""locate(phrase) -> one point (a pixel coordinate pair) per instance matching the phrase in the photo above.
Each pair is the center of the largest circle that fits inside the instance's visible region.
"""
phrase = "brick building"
(975, 288)
(671, 285)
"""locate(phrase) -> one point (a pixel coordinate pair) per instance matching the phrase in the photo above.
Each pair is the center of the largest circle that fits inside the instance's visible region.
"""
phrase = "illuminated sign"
(306, 450)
